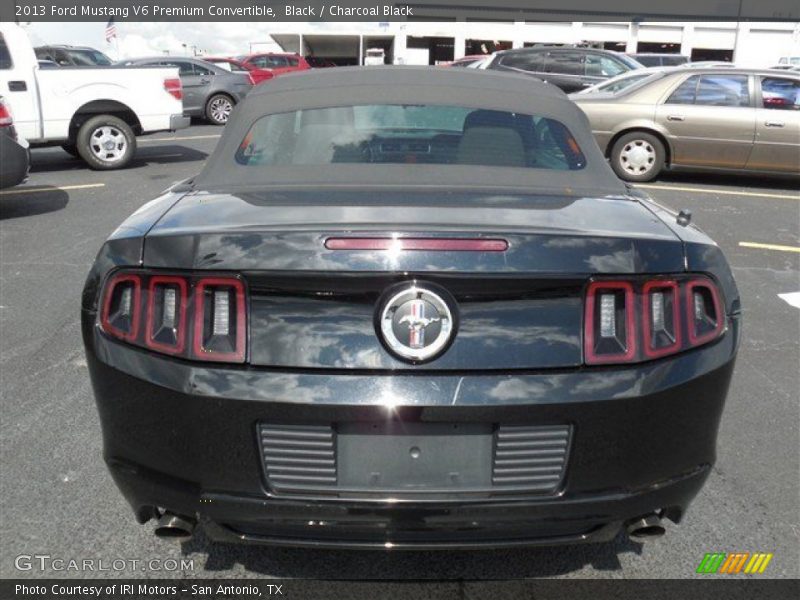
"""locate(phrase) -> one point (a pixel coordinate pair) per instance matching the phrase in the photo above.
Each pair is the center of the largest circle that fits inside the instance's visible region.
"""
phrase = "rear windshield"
(409, 134)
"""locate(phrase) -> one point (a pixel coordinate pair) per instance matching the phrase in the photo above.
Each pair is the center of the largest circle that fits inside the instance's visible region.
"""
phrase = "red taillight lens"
(610, 327)
(661, 318)
(5, 115)
(192, 317)
(174, 88)
(703, 311)
(219, 320)
(121, 308)
(166, 314)
(638, 320)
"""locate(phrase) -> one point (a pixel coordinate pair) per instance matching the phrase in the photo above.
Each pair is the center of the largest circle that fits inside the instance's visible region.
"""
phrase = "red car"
(235, 66)
(278, 64)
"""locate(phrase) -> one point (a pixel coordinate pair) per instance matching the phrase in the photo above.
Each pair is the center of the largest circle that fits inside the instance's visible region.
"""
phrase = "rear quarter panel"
(64, 91)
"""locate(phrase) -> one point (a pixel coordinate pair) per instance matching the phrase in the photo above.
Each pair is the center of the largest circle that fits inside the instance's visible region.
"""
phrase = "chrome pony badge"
(416, 323)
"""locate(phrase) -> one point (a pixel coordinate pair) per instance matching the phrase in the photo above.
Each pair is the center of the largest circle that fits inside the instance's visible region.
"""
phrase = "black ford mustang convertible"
(409, 308)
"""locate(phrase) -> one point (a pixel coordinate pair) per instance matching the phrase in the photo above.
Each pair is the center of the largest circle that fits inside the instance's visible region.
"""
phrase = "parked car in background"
(786, 67)
(789, 60)
(569, 68)
(708, 119)
(429, 317)
(92, 112)
(710, 64)
(73, 56)
(620, 82)
(277, 63)
(465, 61)
(374, 56)
(13, 150)
(209, 91)
(234, 66)
(317, 62)
(654, 59)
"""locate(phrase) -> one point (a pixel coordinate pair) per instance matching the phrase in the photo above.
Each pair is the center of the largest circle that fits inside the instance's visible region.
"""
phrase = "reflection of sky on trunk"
(327, 333)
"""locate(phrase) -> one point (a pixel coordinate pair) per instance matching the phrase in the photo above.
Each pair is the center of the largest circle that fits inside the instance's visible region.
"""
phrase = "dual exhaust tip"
(175, 527)
(644, 528)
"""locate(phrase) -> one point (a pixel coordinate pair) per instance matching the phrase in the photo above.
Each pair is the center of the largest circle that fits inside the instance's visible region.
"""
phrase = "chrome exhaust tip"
(175, 527)
(645, 528)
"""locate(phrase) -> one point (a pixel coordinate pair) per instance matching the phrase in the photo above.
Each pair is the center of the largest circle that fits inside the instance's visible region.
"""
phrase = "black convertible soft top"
(469, 88)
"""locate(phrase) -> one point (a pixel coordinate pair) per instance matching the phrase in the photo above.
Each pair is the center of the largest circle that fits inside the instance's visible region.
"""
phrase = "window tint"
(780, 93)
(564, 63)
(602, 66)
(184, 68)
(527, 61)
(5, 55)
(712, 90)
(648, 61)
(198, 70)
(276, 61)
(293, 62)
(723, 90)
(685, 92)
(410, 134)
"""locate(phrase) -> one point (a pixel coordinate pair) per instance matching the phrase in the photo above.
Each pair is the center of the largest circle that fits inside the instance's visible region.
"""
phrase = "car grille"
(302, 459)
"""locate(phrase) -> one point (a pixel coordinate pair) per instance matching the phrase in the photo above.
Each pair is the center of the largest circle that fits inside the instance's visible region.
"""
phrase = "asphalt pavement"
(57, 498)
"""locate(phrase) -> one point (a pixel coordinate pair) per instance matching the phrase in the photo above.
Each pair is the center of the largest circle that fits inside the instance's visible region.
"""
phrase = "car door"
(18, 87)
(193, 83)
(565, 69)
(710, 120)
(777, 143)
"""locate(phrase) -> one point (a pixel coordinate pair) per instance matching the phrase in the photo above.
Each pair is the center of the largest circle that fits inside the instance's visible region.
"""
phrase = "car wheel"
(106, 142)
(71, 149)
(219, 108)
(638, 156)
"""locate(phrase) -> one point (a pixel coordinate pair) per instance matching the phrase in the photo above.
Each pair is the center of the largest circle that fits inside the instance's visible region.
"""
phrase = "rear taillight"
(628, 321)
(6, 119)
(174, 88)
(122, 307)
(192, 317)
(219, 320)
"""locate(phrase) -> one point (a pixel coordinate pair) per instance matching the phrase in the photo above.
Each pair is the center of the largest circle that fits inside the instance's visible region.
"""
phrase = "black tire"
(219, 108)
(106, 143)
(638, 156)
(71, 149)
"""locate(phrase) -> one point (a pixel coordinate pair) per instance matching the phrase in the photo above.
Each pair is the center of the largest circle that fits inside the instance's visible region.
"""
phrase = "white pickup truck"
(92, 112)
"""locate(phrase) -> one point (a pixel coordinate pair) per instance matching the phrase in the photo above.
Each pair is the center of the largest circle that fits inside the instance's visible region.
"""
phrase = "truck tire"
(219, 108)
(71, 149)
(638, 156)
(106, 143)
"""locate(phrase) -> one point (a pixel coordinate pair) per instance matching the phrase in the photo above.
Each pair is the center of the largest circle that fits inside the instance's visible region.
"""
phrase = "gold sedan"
(704, 119)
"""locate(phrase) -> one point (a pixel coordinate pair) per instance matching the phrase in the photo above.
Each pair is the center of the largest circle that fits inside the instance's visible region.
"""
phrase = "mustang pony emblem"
(416, 323)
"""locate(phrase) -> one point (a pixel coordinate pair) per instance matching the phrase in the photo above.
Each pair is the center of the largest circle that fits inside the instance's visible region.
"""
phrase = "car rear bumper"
(183, 438)
(177, 122)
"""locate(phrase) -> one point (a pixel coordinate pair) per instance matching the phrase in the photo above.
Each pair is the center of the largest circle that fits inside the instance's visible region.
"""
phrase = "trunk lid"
(311, 307)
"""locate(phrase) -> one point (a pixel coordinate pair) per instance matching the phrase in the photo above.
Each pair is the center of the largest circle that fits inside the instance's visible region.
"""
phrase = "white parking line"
(178, 139)
(31, 190)
(777, 247)
(677, 188)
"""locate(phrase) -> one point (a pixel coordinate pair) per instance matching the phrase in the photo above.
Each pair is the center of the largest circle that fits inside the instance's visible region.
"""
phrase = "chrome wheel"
(637, 157)
(220, 109)
(108, 144)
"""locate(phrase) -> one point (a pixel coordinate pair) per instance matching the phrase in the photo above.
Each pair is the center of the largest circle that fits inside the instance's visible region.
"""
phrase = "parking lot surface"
(58, 499)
